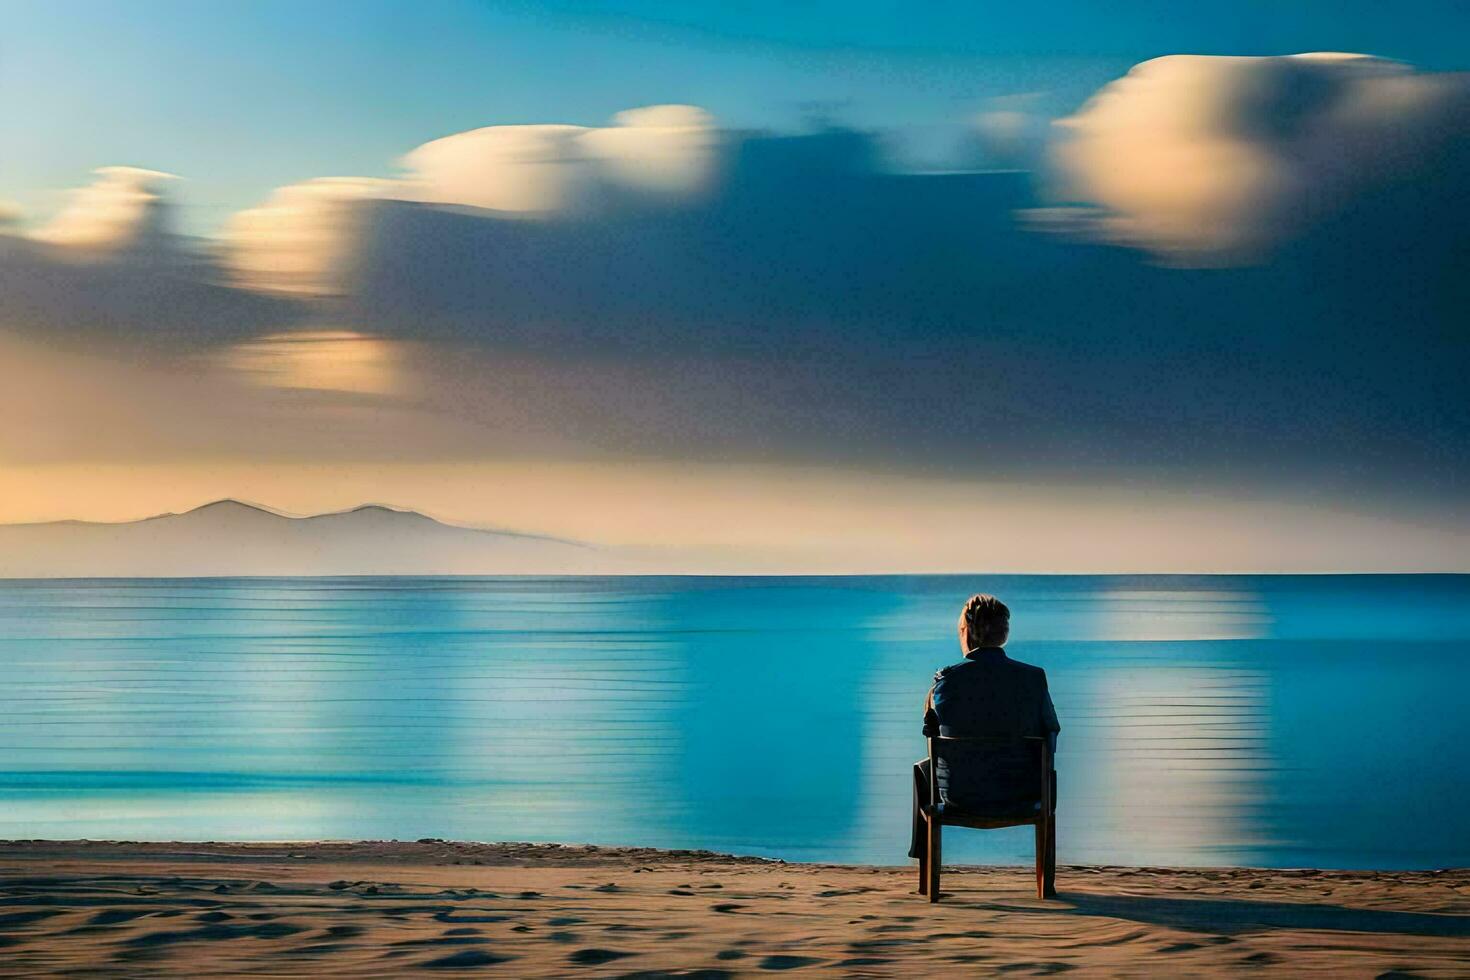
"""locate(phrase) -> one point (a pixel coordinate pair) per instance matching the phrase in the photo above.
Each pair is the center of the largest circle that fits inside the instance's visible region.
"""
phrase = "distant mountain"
(229, 537)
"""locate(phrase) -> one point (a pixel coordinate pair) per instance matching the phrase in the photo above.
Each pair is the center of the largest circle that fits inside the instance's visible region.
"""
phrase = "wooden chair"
(939, 814)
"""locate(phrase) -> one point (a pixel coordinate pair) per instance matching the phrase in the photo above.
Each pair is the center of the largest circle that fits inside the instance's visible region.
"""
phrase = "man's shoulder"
(945, 672)
(989, 668)
(1025, 668)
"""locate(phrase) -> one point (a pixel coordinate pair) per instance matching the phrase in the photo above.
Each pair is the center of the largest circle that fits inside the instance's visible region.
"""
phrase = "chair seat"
(988, 817)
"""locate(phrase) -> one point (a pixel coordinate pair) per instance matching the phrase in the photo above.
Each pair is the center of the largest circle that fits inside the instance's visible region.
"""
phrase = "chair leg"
(934, 858)
(1049, 884)
(1041, 858)
(924, 873)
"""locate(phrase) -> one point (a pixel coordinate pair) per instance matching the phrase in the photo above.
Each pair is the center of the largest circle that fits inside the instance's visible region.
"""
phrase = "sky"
(772, 287)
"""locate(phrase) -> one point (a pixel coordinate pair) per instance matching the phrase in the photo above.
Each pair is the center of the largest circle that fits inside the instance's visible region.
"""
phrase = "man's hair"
(985, 622)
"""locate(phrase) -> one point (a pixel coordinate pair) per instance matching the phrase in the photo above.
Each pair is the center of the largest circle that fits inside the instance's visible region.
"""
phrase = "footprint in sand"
(726, 907)
(782, 961)
(465, 959)
(468, 917)
(593, 956)
(1034, 969)
(215, 933)
(442, 940)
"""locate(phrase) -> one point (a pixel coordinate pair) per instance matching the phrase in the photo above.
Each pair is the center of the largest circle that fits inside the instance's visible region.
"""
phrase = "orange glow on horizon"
(766, 519)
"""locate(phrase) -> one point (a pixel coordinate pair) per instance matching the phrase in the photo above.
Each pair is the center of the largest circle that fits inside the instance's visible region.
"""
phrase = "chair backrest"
(988, 772)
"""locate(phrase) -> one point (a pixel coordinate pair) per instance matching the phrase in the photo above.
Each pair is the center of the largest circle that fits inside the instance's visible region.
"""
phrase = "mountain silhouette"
(231, 537)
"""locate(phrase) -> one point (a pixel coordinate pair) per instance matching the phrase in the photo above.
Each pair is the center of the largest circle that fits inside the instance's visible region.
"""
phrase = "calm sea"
(1274, 720)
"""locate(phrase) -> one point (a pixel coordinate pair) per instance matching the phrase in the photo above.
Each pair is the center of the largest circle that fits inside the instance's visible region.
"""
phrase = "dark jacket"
(991, 694)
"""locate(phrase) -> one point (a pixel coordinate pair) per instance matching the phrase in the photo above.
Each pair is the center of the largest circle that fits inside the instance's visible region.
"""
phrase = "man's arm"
(1049, 723)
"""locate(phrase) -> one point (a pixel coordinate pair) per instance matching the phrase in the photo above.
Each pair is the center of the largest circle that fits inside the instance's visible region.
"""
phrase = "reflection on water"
(1206, 720)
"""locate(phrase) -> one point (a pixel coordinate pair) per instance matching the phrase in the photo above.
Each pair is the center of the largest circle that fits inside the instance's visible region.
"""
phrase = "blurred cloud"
(1218, 160)
(665, 150)
(800, 241)
(298, 240)
(1010, 132)
(661, 288)
(109, 268)
(505, 168)
(123, 209)
(127, 299)
(319, 360)
(302, 237)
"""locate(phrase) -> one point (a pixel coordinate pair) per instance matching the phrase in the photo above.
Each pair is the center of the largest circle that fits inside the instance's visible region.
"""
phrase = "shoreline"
(438, 851)
(381, 908)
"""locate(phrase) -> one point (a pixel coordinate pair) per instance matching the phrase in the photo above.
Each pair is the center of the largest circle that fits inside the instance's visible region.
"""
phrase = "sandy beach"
(393, 909)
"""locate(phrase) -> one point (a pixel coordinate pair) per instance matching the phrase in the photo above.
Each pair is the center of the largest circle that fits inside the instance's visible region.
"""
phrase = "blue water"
(1279, 721)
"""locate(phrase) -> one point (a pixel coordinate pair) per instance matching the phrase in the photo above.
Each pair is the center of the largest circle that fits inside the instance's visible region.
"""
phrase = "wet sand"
(104, 909)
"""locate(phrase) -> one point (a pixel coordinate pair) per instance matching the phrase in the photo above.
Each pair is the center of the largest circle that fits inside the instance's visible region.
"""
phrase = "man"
(986, 694)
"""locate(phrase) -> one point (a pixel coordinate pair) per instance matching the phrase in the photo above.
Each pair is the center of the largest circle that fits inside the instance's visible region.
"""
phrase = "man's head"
(984, 622)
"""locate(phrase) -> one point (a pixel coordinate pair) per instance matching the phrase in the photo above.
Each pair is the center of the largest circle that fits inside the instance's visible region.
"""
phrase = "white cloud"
(298, 239)
(122, 209)
(1214, 160)
(666, 149)
(504, 168)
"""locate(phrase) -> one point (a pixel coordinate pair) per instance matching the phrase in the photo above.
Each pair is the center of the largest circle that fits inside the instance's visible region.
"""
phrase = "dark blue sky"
(1424, 32)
